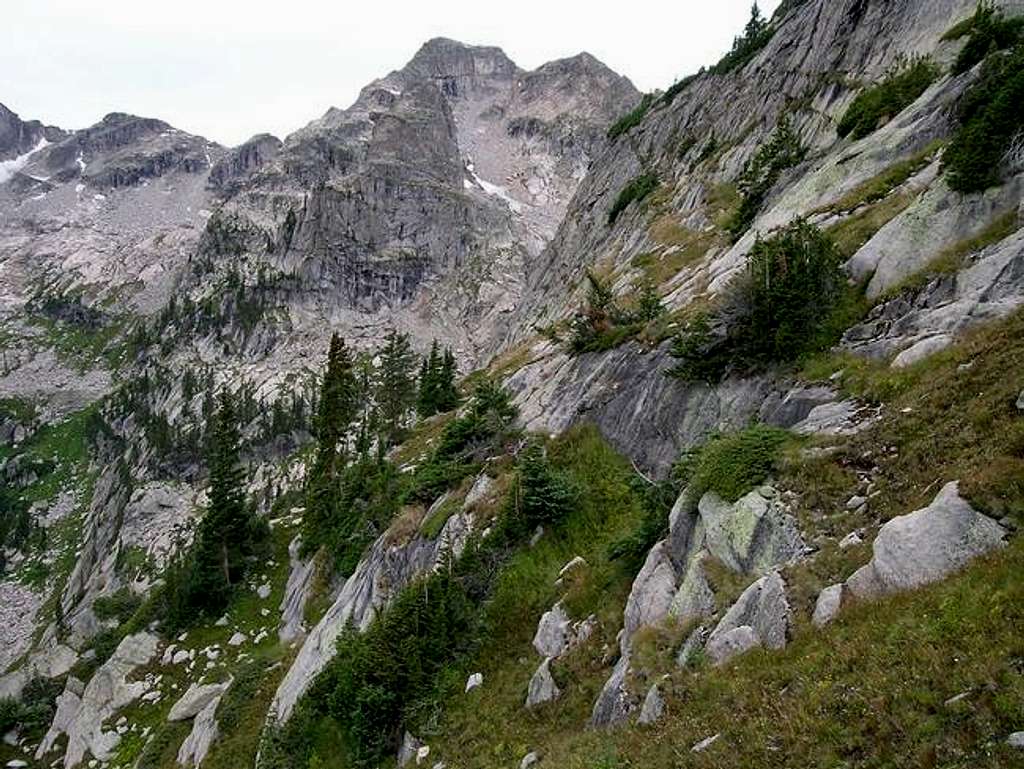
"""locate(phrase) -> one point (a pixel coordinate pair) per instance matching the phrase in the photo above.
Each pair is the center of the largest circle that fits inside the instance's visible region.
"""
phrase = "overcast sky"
(227, 69)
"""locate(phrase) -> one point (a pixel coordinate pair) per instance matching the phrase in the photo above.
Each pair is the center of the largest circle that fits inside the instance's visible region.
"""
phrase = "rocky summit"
(511, 417)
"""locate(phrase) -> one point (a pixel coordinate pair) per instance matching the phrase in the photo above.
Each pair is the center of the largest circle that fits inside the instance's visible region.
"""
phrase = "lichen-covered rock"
(652, 593)
(553, 632)
(926, 546)
(753, 534)
(615, 702)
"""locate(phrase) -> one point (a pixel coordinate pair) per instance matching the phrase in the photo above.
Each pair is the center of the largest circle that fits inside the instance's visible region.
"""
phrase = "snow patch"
(9, 168)
(498, 191)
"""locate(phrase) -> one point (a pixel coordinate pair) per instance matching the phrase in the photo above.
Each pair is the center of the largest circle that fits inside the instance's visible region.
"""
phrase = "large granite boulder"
(926, 545)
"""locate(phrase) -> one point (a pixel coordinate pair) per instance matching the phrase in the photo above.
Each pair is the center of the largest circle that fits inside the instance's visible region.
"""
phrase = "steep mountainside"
(740, 420)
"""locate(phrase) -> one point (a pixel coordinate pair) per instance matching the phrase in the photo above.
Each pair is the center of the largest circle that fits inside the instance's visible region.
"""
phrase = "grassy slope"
(870, 690)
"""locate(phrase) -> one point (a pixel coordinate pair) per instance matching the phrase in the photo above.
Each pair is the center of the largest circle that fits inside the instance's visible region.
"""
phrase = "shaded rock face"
(242, 161)
(18, 137)
(296, 593)
(542, 686)
(926, 546)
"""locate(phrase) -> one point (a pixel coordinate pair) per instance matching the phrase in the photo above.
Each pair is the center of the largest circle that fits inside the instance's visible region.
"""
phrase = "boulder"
(850, 540)
(653, 707)
(195, 698)
(926, 545)
(553, 632)
(1016, 740)
(263, 591)
(542, 686)
(204, 731)
(475, 680)
(615, 702)
(479, 491)
(760, 617)
(529, 760)
(238, 639)
(827, 606)
(408, 750)
(1020, 406)
(575, 563)
(652, 593)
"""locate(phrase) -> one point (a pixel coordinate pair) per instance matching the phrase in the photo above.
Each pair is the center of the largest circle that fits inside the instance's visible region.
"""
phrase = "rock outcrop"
(81, 714)
(926, 546)
(760, 617)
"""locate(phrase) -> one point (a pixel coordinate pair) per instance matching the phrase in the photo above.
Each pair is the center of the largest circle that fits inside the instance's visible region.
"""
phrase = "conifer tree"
(337, 411)
(430, 370)
(396, 387)
(228, 529)
(447, 392)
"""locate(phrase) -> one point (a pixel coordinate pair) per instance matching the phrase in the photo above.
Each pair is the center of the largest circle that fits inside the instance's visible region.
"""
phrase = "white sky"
(227, 69)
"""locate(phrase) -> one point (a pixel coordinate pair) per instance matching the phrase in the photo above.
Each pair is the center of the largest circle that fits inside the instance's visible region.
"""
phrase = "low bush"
(603, 323)
(733, 464)
(783, 150)
(987, 31)
(883, 101)
(634, 192)
(990, 136)
(632, 118)
(120, 606)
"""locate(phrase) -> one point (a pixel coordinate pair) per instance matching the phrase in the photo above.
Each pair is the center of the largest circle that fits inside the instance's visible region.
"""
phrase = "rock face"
(204, 731)
(926, 546)
(19, 137)
(293, 605)
(81, 715)
(653, 708)
(378, 577)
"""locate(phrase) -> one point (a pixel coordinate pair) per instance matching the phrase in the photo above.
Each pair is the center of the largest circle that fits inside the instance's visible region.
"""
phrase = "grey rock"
(850, 540)
(82, 719)
(752, 535)
(576, 563)
(615, 702)
(529, 760)
(693, 645)
(653, 708)
(384, 570)
(652, 593)
(195, 698)
(409, 749)
(828, 604)
(926, 546)
(553, 632)
(704, 744)
(474, 680)
(1016, 740)
(542, 686)
(204, 731)
(760, 616)
(263, 591)
(237, 639)
(1020, 401)
(296, 593)
(16, 763)
(855, 501)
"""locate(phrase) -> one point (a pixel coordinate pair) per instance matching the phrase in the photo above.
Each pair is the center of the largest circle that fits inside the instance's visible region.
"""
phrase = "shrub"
(988, 31)
(757, 34)
(632, 118)
(794, 278)
(635, 191)
(783, 150)
(544, 495)
(883, 101)
(785, 305)
(120, 606)
(731, 465)
(603, 324)
(991, 125)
